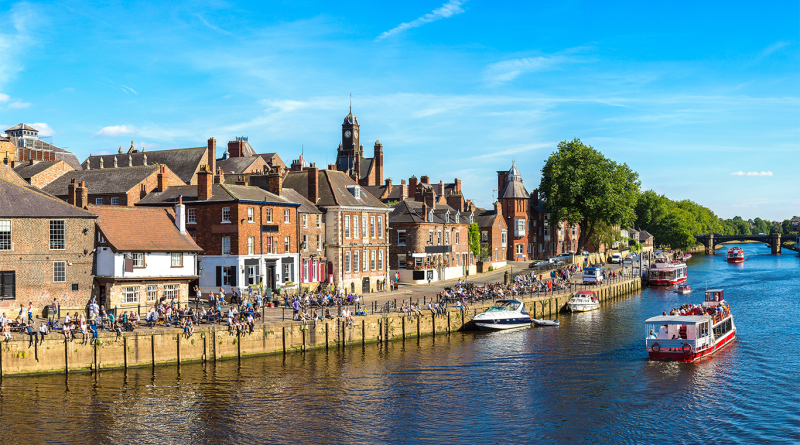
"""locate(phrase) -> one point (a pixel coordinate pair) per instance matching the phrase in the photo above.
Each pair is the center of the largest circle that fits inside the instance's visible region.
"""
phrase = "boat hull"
(736, 260)
(680, 356)
(583, 307)
(489, 325)
(658, 282)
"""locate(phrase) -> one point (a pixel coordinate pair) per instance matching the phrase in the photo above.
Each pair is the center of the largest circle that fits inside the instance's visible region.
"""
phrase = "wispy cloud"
(741, 173)
(105, 81)
(44, 129)
(115, 130)
(214, 27)
(127, 89)
(4, 97)
(17, 41)
(448, 9)
(511, 69)
(68, 89)
(772, 48)
(18, 104)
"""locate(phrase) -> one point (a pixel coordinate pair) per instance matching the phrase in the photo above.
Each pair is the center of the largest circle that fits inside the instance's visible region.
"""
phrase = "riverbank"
(168, 346)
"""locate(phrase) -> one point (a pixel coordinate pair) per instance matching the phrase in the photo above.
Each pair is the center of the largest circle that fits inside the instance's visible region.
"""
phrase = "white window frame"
(56, 233)
(305, 243)
(226, 214)
(131, 294)
(355, 226)
(59, 271)
(152, 293)
(319, 242)
(305, 221)
(250, 214)
(319, 221)
(114, 200)
(457, 233)
(380, 259)
(251, 245)
(287, 216)
(347, 262)
(173, 256)
(172, 292)
(347, 226)
(401, 237)
(138, 259)
(269, 215)
(98, 201)
(372, 227)
(372, 256)
(6, 235)
(356, 261)
(380, 226)
(226, 245)
(287, 244)
(191, 216)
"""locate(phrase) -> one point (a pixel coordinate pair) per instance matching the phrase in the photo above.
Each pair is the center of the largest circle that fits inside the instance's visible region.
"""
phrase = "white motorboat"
(538, 322)
(505, 314)
(583, 301)
(683, 289)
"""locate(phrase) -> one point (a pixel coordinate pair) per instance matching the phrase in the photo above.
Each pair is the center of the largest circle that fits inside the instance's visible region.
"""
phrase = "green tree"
(583, 187)
(786, 226)
(474, 234)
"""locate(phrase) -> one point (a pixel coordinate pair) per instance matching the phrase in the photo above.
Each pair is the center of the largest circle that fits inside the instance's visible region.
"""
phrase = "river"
(586, 381)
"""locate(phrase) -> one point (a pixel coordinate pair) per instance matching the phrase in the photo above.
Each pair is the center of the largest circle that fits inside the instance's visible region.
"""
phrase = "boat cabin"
(508, 306)
(671, 332)
(585, 294)
(714, 297)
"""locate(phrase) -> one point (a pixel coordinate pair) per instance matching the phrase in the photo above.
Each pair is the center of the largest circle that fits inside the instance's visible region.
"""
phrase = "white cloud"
(17, 104)
(448, 9)
(772, 48)
(15, 43)
(147, 145)
(44, 129)
(510, 69)
(4, 97)
(115, 130)
(741, 173)
(68, 89)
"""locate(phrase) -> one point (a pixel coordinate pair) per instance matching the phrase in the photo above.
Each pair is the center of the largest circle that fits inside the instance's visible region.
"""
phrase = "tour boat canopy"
(585, 292)
(677, 319)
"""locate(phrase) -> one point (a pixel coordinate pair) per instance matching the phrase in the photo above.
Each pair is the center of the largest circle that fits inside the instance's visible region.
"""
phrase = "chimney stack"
(204, 183)
(82, 195)
(458, 184)
(425, 179)
(412, 187)
(378, 162)
(425, 212)
(535, 197)
(502, 181)
(498, 208)
(313, 184)
(240, 180)
(161, 185)
(275, 181)
(71, 191)
(218, 177)
(180, 215)
(211, 160)
(331, 166)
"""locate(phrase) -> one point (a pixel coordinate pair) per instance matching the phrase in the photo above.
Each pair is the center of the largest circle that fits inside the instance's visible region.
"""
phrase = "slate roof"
(102, 181)
(22, 127)
(333, 189)
(485, 217)
(237, 165)
(644, 235)
(18, 201)
(27, 171)
(131, 229)
(6, 173)
(410, 211)
(184, 162)
(515, 189)
(366, 167)
(306, 206)
(219, 193)
(268, 158)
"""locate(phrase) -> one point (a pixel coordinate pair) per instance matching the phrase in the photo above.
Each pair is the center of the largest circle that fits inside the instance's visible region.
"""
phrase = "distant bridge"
(710, 240)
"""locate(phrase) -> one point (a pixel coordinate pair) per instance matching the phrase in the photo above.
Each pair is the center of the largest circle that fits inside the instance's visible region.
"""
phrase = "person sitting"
(328, 314)
(652, 334)
(188, 328)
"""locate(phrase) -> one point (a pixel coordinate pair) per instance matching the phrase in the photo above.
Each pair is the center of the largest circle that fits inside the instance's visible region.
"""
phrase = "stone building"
(39, 174)
(123, 186)
(136, 269)
(248, 235)
(356, 242)
(350, 155)
(46, 250)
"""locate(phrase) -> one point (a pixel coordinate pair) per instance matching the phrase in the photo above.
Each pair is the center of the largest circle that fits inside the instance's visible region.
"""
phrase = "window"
(305, 221)
(347, 262)
(366, 259)
(430, 216)
(438, 238)
(347, 226)
(131, 294)
(520, 248)
(250, 213)
(226, 214)
(401, 261)
(319, 221)
(519, 227)
(226, 275)
(269, 244)
(59, 271)
(5, 234)
(138, 259)
(286, 216)
(100, 238)
(177, 259)
(364, 226)
(287, 244)
(470, 219)
(226, 245)
(430, 236)
(372, 260)
(191, 216)
(446, 237)
(484, 236)
(504, 237)
(57, 234)
(355, 226)
(251, 245)
(268, 215)
(380, 227)
(401, 237)
(457, 238)
(152, 293)
(114, 201)
(372, 227)
(172, 292)
(319, 242)
(305, 242)
(446, 217)
(98, 201)
(458, 217)
(380, 259)
(253, 276)
(356, 261)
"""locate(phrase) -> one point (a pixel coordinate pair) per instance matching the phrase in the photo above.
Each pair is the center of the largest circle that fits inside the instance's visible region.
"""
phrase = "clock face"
(356, 134)
(347, 134)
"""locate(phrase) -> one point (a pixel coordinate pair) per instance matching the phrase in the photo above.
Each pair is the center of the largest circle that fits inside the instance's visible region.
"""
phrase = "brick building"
(311, 235)
(137, 269)
(248, 235)
(549, 237)
(356, 223)
(514, 200)
(45, 250)
(22, 144)
(123, 186)
(494, 235)
(39, 174)
(350, 155)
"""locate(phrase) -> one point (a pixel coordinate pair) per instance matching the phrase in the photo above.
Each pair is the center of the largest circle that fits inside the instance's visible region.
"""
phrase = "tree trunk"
(585, 235)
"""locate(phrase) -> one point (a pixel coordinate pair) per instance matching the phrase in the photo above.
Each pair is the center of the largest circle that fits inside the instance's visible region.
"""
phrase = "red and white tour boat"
(735, 255)
(667, 273)
(703, 330)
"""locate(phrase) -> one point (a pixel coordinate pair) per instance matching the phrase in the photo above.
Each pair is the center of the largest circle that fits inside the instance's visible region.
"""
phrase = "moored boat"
(539, 322)
(687, 256)
(666, 273)
(505, 314)
(700, 331)
(683, 289)
(583, 301)
(735, 255)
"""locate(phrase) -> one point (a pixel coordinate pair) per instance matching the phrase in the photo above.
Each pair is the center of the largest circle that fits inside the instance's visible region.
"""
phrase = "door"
(365, 285)
(271, 277)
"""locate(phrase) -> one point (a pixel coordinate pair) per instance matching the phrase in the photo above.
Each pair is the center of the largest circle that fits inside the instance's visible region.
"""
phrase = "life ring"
(687, 349)
(655, 348)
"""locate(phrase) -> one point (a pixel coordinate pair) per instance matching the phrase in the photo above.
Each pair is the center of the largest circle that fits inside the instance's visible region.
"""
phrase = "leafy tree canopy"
(474, 233)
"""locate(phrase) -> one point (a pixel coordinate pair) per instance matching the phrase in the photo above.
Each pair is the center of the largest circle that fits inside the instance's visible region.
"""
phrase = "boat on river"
(505, 314)
(687, 256)
(703, 330)
(664, 272)
(735, 255)
(683, 289)
(583, 301)
(538, 322)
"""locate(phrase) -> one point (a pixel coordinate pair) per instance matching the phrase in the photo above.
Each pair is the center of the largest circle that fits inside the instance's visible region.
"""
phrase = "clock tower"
(349, 153)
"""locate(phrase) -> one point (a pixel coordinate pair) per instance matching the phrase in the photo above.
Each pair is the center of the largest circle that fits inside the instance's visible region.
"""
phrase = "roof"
(18, 201)
(239, 165)
(184, 162)
(677, 319)
(269, 158)
(22, 127)
(306, 206)
(6, 173)
(27, 171)
(485, 217)
(366, 167)
(643, 235)
(60, 153)
(102, 181)
(333, 189)
(142, 229)
(350, 119)
(515, 189)
(219, 193)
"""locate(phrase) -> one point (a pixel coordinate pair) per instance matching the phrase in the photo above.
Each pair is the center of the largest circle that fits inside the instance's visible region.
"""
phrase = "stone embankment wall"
(170, 346)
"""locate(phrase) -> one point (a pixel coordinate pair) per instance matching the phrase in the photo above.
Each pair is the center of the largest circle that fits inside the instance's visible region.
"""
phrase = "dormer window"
(458, 218)
(355, 190)
(430, 216)
(447, 217)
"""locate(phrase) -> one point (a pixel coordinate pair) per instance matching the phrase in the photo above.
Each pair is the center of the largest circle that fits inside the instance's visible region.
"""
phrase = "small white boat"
(538, 322)
(505, 314)
(583, 301)
(683, 289)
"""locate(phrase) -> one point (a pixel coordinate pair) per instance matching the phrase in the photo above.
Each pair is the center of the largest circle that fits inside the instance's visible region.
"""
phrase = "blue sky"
(703, 100)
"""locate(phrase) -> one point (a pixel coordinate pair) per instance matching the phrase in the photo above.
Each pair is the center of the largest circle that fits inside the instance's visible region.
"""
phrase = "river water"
(587, 381)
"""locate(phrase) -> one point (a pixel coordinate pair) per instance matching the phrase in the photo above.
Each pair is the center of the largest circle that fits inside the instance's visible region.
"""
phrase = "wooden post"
(96, 359)
(404, 328)
(178, 348)
(363, 332)
(418, 317)
(205, 347)
(558, 308)
(448, 322)
(304, 341)
(125, 351)
(326, 336)
(433, 324)
(66, 356)
(283, 338)
(153, 349)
